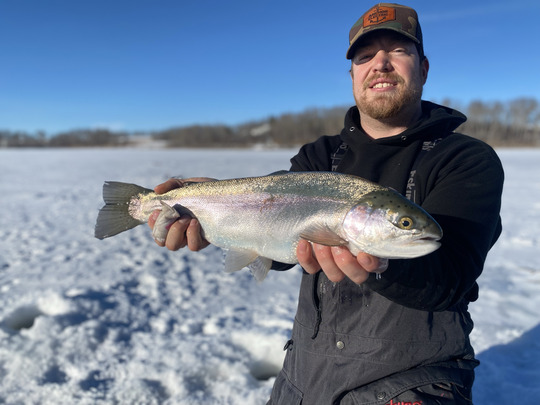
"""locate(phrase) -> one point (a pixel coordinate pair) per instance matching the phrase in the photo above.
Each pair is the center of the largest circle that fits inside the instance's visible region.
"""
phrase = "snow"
(124, 321)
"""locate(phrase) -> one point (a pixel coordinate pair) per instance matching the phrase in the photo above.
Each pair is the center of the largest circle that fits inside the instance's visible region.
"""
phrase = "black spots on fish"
(383, 199)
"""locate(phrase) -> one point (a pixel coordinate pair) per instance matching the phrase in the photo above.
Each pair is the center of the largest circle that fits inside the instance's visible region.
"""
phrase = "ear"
(424, 68)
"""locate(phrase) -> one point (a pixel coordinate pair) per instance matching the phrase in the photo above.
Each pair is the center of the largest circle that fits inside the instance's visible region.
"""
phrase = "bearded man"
(375, 331)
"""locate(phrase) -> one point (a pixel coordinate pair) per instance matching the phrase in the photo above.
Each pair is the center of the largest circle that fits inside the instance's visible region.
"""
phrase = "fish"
(258, 220)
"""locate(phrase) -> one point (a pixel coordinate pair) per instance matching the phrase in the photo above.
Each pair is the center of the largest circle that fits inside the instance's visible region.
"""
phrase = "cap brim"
(354, 44)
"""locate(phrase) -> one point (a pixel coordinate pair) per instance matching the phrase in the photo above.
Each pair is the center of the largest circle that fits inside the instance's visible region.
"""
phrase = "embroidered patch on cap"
(378, 15)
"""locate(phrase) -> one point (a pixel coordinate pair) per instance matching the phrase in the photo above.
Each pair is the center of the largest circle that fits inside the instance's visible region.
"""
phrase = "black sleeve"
(462, 191)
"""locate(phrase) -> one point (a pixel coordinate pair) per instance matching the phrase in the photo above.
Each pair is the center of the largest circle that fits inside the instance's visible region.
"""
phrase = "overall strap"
(411, 183)
(337, 156)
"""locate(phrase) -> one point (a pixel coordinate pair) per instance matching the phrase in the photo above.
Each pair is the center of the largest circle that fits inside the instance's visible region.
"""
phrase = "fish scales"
(263, 218)
(313, 184)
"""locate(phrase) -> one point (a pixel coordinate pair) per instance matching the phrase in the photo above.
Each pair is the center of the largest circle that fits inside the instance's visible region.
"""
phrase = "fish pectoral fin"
(322, 235)
(237, 259)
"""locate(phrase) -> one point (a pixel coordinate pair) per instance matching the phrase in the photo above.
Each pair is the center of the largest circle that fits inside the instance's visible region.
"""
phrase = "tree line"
(74, 138)
(512, 123)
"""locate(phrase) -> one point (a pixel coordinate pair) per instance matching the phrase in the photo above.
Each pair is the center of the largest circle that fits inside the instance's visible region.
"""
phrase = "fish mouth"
(429, 239)
(432, 233)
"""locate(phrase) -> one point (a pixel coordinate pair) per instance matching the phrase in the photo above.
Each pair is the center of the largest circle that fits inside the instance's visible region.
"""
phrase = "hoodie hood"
(435, 119)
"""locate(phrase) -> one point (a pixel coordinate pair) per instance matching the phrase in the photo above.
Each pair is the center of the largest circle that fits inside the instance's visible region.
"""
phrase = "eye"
(361, 58)
(405, 223)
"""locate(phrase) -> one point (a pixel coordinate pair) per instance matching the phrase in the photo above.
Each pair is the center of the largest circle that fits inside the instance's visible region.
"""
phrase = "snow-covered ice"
(124, 321)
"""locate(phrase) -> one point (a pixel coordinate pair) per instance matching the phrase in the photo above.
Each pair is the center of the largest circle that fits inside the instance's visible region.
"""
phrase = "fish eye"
(405, 223)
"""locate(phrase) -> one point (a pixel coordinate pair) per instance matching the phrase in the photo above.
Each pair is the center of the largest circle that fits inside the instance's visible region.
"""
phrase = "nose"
(381, 62)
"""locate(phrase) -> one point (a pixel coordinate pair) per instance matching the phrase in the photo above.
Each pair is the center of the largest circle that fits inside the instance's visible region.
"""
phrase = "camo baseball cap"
(387, 16)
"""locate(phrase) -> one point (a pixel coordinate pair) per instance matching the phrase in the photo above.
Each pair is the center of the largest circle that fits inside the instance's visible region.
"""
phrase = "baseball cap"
(387, 16)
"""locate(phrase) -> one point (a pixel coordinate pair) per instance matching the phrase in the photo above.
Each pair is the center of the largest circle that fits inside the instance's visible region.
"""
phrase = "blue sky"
(154, 64)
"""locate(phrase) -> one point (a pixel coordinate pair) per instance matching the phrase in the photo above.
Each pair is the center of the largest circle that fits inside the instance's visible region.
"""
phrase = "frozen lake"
(123, 321)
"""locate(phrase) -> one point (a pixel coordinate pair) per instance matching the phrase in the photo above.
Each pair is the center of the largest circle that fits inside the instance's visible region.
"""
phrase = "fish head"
(385, 224)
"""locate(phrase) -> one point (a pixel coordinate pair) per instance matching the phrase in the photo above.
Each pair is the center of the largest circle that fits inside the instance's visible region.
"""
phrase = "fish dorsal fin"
(237, 259)
(322, 235)
(279, 173)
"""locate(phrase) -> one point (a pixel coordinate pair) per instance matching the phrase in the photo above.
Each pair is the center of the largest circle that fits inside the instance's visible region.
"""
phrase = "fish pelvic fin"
(114, 217)
(236, 259)
(260, 268)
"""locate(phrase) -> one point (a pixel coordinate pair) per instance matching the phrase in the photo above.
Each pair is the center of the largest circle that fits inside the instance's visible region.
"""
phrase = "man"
(402, 337)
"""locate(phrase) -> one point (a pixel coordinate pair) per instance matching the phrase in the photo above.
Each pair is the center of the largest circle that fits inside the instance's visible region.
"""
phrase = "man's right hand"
(185, 231)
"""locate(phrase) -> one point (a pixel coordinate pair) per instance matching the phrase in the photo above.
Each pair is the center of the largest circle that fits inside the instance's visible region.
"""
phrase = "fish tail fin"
(115, 192)
(114, 217)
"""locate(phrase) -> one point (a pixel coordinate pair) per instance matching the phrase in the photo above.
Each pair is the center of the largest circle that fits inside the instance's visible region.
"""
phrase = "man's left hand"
(337, 262)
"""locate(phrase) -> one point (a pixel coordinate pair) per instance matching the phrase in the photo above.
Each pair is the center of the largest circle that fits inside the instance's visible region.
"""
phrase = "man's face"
(387, 75)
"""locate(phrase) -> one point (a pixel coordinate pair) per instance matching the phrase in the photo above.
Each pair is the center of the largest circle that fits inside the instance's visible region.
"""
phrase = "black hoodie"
(416, 314)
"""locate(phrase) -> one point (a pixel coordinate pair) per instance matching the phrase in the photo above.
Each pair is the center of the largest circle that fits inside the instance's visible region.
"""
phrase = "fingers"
(349, 265)
(305, 256)
(195, 241)
(185, 231)
(331, 268)
(337, 262)
(315, 257)
(176, 237)
(371, 263)
(169, 185)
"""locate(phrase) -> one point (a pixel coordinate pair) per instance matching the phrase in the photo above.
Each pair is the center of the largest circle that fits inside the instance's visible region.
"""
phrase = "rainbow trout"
(260, 219)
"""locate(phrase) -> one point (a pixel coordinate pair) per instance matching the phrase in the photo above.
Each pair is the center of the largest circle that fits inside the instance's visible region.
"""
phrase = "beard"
(391, 104)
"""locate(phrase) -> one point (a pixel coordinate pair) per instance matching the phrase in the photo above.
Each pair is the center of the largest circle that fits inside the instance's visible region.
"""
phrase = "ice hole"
(263, 370)
(22, 318)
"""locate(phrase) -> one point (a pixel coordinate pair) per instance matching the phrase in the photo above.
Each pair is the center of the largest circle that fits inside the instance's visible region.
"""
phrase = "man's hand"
(186, 231)
(337, 262)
